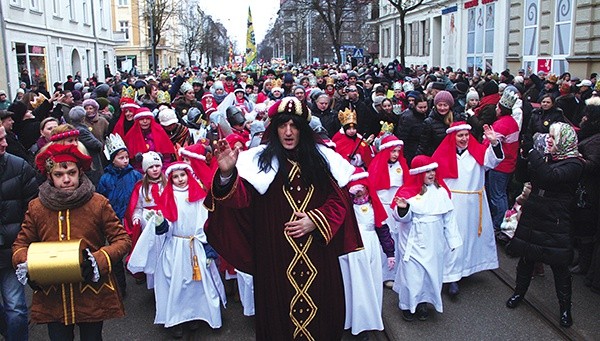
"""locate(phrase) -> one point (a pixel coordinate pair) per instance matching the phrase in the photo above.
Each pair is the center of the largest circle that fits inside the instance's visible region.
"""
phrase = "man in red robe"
(278, 212)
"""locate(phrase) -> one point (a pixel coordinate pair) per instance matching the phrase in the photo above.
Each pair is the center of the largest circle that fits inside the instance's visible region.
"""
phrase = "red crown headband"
(65, 135)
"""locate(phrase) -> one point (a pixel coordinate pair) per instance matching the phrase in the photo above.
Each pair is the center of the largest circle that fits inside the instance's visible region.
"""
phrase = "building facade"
(55, 38)
(461, 34)
(543, 35)
(134, 49)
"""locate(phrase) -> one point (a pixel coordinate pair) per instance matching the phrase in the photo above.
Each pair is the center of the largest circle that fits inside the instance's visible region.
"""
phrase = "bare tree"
(193, 22)
(157, 14)
(403, 7)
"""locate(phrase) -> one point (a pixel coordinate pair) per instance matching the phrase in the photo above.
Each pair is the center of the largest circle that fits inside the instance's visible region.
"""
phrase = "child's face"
(429, 177)
(180, 178)
(121, 160)
(154, 172)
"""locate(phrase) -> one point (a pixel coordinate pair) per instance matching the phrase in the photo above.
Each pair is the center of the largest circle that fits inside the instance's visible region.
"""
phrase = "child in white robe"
(427, 224)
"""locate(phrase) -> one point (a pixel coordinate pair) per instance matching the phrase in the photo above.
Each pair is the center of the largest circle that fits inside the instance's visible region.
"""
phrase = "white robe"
(387, 196)
(478, 252)
(245, 284)
(179, 298)
(361, 273)
(428, 227)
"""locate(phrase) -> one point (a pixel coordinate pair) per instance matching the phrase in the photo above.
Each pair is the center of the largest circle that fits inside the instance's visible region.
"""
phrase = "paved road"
(478, 314)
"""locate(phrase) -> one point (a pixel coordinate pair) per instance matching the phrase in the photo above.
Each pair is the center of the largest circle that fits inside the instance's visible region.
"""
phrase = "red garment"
(445, 154)
(414, 185)
(246, 228)
(492, 99)
(507, 131)
(379, 169)
(360, 177)
(134, 230)
(345, 145)
(262, 97)
(136, 143)
(166, 201)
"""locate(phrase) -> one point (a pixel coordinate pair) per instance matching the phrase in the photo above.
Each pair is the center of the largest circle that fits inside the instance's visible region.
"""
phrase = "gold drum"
(55, 262)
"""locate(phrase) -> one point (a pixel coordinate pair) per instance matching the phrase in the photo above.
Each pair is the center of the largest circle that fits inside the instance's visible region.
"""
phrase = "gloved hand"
(87, 270)
(391, 261)
(160, 224)
(33, 285)
(356, 160)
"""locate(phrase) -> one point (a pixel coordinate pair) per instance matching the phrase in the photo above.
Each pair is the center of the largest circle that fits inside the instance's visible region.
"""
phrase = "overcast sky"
(233, 14)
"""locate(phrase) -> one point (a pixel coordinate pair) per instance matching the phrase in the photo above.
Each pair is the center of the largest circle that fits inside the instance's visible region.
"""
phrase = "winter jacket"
(588, 194)
(432, 133)
(543, 232)
(507, 131)
(540, 122)
(571, 107)
(116, 184)
(409, 130)
(18, 185)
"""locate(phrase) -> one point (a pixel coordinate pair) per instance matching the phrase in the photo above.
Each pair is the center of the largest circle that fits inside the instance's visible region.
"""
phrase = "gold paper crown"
(128, 91)
(250, 81)
(164, 76)
(387, 128)
(347, 117)
(277, 83)
(330, 81)
(163, 97)
(319, 73)
(597, 87)
(38, 100)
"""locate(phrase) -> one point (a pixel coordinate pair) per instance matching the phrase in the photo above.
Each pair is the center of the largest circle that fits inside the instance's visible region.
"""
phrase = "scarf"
(59, 200)
(565, 140)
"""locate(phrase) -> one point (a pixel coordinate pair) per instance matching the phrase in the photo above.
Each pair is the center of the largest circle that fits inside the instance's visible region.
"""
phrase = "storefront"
(33, 59)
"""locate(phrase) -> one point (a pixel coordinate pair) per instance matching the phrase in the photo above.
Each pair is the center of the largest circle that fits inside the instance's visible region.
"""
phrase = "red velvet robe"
(298, 286)
(345, 145)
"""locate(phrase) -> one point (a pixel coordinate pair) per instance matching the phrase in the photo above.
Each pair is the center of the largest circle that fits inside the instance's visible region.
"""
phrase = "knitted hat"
(167, 116)
(76, 114)
(150, 159)
(143, 112)
(91, 102)
(472, 94)
(490, 87)
(444, 97)
(102, 103)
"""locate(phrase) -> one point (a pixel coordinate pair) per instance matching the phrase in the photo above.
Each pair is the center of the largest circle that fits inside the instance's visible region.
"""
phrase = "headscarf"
(167, 202)
(565, 141)
(445, 154)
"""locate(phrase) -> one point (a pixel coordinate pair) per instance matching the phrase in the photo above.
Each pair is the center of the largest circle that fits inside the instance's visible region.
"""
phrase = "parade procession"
(351, 192)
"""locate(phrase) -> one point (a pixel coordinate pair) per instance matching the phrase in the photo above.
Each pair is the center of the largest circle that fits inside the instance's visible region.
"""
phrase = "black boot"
(524, 269)
(562, 282)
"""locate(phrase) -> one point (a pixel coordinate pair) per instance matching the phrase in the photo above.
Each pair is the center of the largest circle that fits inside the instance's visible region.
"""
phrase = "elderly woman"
(543, 232)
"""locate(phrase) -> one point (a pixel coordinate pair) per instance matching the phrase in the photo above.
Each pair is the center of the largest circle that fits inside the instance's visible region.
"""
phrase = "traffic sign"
(358, 53)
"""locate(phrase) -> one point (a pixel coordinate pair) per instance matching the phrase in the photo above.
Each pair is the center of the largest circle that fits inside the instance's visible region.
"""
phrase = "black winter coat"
(543, 232)
(409, 130)
(540, 122)
(18, 185)
(587, 200)
(432, 134)
(329, 120)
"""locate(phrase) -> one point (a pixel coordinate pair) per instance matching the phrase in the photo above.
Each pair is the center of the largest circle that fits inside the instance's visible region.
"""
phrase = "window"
(386, 38)
(101, 8)
(88, 57)
(425, 37)
(59, 62)
(72, 10)
(562, 35)
(414, 39)
(123, 2)
(84, 4)
(489, 28)
(34, 5)
(16, 3)
(480, 37)
(124, 26)
(56, 7)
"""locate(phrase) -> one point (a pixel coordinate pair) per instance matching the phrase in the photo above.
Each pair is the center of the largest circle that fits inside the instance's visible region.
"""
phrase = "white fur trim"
(177, 166)
(358, 176)
(458, 127)
(129, 105)
(390, 144)
(185, 152)
(247, 167)
(423, 169)
(143, 114)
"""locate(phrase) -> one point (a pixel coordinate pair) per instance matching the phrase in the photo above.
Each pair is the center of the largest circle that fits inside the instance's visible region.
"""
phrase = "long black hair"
(315, 169)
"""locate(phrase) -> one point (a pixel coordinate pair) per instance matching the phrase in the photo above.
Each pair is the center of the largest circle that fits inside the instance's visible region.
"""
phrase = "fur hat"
(91, 102)
(167, 116)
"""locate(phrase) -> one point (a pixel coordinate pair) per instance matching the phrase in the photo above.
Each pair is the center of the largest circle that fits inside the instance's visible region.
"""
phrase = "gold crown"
(277, 83)
(38, 100)
(387, 128)
(128, 91)
(163, 97)
(347, 117)
(164, 76)
(330, 81)
(319, 73)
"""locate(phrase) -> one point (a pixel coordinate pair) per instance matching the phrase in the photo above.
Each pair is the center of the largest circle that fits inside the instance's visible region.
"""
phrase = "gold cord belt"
(480, 194)
(196, 275)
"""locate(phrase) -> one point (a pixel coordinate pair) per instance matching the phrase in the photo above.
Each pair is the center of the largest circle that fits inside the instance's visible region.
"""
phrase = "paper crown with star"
(347, 116)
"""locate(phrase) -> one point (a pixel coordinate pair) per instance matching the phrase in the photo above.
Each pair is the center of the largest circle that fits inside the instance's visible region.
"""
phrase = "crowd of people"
(314, 186)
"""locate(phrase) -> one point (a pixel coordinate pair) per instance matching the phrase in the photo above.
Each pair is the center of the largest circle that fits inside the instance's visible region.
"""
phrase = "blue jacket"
(116, 185)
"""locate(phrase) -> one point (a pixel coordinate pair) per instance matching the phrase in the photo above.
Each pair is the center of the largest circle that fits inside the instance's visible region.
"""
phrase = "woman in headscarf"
(543, 232)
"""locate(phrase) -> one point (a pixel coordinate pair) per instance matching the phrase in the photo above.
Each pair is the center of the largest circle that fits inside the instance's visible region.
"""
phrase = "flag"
(250, 41)
(230, 53)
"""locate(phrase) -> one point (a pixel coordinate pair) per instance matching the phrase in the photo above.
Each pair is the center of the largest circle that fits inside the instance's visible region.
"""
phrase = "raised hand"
(401, 202)
(490, 134)
(226, 157)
